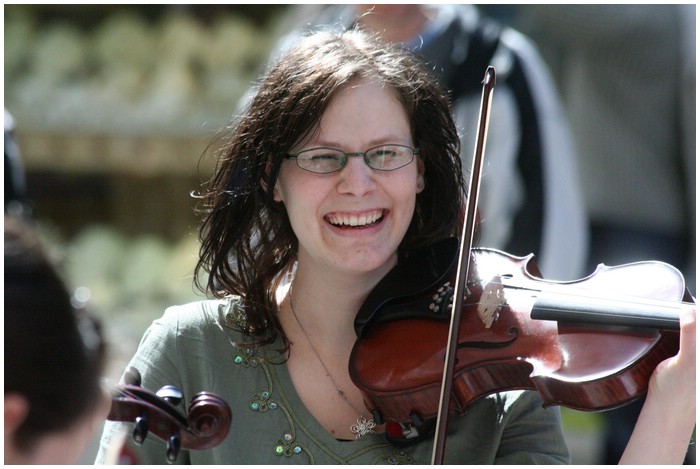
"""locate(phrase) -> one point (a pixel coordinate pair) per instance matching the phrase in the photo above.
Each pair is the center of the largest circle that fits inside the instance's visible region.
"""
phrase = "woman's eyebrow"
(320, 143)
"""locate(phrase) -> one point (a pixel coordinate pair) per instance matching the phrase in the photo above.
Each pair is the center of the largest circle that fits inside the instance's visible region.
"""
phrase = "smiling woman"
(298, 231)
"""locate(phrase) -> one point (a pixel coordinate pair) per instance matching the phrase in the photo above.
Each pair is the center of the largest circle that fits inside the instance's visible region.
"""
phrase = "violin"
(589, 344)
(206, 425)
(452, 323)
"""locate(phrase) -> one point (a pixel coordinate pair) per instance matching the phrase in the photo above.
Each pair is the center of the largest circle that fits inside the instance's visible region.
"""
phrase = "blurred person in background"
(54, 402)
(626, 74)
(16, 198)
(530, 200)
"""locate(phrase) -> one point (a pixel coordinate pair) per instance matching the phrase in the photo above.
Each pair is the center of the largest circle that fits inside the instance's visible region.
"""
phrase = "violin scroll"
(210, 418)
(206, 425)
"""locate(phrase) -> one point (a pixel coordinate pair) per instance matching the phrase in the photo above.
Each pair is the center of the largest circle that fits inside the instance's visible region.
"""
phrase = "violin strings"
(573, 292)
(669, 307)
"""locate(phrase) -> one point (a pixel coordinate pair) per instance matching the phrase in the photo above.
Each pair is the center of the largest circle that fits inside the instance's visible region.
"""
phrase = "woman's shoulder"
(200, 319)
(192, 336)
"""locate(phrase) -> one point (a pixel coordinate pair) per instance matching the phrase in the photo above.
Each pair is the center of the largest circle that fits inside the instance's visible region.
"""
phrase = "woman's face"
(353, 219)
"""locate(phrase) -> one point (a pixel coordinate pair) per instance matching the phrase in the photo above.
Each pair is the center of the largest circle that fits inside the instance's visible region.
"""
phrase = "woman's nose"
(356, 177)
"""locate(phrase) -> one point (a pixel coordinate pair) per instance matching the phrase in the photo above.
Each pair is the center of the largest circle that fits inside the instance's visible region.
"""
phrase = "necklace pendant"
(363, 427)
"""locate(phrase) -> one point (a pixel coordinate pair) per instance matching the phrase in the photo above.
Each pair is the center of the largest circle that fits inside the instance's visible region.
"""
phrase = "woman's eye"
(323, 156)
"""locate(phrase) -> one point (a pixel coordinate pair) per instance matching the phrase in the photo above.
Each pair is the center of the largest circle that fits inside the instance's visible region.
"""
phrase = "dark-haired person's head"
(53, 359)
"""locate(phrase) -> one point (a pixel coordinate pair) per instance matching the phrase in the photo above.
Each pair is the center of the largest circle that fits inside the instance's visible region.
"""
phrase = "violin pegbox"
(206, 424)
(150, 412)
(170, 394)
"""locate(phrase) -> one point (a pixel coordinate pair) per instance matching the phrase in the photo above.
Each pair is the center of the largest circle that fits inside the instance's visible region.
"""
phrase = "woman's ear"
(276, 193)
(16, 410)
(420, 180)
(420, 185)
(264, 179)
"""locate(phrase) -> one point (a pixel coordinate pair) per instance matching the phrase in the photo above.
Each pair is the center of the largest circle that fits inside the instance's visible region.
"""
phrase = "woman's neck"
(325, 315)
(326, 299)
(325, 305)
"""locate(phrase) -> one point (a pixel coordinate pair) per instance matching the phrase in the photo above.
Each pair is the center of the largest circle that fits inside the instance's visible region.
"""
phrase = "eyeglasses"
(330, 160)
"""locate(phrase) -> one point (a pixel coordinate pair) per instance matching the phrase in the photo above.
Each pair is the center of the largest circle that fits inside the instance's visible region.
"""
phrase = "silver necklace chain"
(362, 426)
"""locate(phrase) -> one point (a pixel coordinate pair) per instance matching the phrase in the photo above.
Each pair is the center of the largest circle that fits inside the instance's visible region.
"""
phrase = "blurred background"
(114, 108)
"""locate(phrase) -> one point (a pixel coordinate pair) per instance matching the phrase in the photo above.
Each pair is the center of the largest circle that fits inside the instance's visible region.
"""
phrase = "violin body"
(581, 364)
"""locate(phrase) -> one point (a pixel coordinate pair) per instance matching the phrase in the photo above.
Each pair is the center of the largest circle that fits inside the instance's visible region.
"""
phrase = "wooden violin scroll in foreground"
(206, 425)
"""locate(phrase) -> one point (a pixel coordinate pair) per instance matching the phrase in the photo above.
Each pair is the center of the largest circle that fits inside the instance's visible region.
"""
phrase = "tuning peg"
(173, 448)
(140, 429)
(170, 394)
(132, 376)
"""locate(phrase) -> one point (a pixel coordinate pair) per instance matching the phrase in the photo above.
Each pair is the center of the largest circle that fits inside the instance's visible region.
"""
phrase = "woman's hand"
(673, 381)
(666, 422)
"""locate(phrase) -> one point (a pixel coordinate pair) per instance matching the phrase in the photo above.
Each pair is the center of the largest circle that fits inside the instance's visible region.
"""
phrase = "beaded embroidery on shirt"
(263, 400)
(269, 399)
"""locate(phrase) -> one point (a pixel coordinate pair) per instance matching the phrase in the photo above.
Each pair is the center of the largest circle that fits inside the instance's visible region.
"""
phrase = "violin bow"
(468, 229)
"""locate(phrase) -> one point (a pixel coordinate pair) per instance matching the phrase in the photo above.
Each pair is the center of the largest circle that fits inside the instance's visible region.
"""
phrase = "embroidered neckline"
(273, 398)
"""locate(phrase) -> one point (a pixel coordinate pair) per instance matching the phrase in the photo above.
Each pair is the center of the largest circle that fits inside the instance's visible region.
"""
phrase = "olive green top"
(198, 347)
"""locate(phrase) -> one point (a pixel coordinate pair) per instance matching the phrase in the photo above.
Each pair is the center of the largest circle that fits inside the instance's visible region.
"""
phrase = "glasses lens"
(321, 160)
(389, 157)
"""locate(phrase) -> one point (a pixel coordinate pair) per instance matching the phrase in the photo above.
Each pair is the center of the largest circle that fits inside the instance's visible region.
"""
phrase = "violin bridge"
(492, 299)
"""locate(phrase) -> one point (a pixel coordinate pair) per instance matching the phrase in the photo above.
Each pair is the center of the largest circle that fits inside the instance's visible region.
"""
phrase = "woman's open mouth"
(363, 220)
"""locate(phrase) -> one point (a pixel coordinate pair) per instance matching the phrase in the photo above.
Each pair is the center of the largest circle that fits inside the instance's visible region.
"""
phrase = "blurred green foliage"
(164, 69)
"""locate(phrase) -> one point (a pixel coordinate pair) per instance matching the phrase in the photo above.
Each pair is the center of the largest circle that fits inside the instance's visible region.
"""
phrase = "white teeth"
(356, 220)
